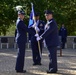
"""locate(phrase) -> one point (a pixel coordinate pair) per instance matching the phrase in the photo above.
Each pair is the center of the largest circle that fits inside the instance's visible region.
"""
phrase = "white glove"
(36, 35)
(38, 38)
(34, 25)
(37, 29)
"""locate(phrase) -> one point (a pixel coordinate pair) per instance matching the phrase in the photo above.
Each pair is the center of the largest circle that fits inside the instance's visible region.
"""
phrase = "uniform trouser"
(63, 40)
(20, 57)
(35, 50)
(63, 45)
(53, 58)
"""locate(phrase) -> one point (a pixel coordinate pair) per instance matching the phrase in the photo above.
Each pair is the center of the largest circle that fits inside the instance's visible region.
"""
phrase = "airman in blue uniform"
(21, 40)
(52, 40)
(63, 34)
(34, 43)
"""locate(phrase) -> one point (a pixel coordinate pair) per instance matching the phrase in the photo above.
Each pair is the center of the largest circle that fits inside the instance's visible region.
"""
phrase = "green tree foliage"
(6, 15)
(64, 12)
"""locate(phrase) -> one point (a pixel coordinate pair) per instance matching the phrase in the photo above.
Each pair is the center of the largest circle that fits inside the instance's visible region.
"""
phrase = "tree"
(64, 12)
(6, 15)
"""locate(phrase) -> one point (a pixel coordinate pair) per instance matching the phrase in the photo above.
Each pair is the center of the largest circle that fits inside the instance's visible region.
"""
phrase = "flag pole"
(37, 33)
(39, 46)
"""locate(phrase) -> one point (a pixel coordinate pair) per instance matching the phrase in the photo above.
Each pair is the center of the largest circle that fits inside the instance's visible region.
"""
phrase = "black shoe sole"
(24, 71)
(37, 64)
(51, 72)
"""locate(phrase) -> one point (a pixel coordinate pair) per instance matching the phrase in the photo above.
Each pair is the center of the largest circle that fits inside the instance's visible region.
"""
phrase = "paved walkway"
(66, 63)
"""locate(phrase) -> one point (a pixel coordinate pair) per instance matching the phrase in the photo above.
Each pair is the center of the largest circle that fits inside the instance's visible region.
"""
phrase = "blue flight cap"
(37, 14)
(21, 12)
(48, 12)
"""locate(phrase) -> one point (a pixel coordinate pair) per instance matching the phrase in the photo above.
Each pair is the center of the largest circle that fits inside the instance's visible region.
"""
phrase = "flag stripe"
(32, 17)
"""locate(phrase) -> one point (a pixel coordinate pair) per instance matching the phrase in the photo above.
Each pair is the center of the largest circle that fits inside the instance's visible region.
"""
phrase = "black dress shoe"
(37, 64)
(51, 71)
(24, 71)
(34, 64)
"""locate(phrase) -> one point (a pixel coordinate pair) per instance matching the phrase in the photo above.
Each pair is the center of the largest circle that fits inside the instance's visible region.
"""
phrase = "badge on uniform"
(41, 25)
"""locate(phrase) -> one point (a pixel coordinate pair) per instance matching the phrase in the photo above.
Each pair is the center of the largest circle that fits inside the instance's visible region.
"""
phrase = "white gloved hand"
(37, 29)
(38, 38)
(36, 35)
(34, 25)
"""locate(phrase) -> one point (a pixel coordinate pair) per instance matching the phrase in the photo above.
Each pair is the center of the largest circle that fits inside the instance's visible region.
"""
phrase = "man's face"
(37, 17)
(48, 16)
(62, 25)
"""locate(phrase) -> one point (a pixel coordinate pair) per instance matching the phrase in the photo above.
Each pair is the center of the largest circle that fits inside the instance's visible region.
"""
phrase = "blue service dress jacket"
(51, 34)
(63, 34)
(21, 35)
(40, 26)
